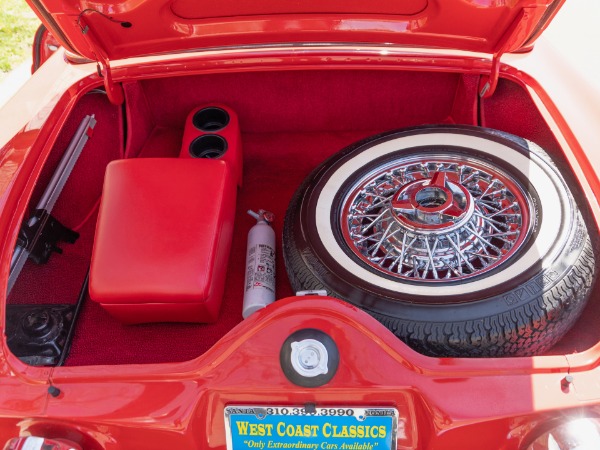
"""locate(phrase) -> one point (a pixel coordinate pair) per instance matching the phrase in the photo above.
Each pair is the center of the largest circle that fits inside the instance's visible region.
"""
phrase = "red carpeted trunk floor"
(286, 114)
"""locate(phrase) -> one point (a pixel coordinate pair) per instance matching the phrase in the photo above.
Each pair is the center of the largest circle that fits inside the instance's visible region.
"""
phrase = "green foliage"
(18, 24)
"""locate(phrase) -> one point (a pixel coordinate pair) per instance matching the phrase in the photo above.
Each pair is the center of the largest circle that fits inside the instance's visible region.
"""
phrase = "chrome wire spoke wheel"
(438, 218)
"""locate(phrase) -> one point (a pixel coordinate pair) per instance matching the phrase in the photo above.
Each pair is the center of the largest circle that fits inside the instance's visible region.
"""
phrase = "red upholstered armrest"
(163, 239)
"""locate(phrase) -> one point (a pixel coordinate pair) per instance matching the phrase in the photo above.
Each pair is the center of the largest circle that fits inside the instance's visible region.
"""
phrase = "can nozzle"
(262, 215)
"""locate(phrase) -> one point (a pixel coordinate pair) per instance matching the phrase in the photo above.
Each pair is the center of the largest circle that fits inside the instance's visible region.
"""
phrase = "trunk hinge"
(113, 90)
(488, 83)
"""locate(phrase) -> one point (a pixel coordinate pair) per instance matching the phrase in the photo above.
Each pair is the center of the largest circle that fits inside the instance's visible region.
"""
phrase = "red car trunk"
(290, 122)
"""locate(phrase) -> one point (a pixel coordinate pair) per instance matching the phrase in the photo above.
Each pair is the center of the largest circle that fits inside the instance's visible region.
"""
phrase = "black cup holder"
(210, 119)
(209, 146)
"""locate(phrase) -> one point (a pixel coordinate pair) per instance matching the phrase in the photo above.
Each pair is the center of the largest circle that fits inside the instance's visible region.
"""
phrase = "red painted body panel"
(451, 403)
(150, 407)
(44, 46)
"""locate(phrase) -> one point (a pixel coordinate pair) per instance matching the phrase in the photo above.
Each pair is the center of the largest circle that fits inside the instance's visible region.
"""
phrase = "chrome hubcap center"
(433, 204)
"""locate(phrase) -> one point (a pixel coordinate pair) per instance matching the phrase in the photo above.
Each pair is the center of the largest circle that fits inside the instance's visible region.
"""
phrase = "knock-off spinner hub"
(433, 204)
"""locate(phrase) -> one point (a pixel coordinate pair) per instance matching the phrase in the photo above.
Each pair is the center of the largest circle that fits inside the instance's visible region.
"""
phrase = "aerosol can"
(259, 289)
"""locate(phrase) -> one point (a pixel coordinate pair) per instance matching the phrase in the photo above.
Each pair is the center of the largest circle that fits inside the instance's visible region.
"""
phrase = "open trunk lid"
(105, 30)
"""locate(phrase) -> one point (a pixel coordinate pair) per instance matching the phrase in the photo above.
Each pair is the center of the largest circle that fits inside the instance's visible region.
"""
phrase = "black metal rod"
(82, 296)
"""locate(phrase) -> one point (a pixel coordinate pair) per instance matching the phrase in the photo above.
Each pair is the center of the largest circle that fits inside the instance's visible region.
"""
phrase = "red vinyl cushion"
(163, 239)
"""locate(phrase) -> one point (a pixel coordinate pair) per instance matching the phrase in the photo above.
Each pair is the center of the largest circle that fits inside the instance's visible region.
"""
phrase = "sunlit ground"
(17, 28)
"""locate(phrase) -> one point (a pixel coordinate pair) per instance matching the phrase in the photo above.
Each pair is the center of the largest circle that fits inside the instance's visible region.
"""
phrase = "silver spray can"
(259, 288)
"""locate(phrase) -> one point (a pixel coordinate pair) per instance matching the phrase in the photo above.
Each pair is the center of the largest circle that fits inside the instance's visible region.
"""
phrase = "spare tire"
(463, 241)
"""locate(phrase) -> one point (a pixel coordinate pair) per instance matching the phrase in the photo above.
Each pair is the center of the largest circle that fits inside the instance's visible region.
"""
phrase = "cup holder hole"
(211, 119)
(210, 146)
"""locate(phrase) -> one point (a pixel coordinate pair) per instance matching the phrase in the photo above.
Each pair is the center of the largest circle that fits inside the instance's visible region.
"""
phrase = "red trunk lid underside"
(126, 28)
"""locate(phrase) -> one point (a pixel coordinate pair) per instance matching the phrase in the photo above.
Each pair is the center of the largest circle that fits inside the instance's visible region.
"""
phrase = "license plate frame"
(267, 427)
